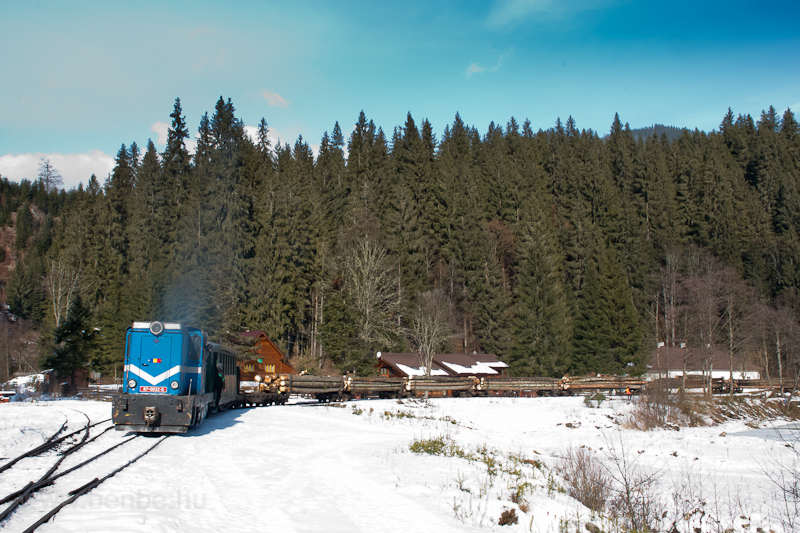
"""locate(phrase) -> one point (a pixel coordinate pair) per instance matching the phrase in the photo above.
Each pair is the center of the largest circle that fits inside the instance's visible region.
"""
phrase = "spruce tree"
(73, 342)
(541, 326)
(607, 336)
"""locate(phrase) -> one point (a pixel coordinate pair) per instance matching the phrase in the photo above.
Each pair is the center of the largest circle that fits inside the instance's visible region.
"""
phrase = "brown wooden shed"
(265, 355)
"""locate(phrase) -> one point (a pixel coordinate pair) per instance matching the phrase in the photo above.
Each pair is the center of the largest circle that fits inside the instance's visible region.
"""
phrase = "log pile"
(440, 384)
(305, 384)
(360, 385)
(602, 383)
(692, 382)
(765, 385)
(519, 384)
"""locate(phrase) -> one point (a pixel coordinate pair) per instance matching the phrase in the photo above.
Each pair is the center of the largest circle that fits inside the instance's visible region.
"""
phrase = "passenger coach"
(168, 384)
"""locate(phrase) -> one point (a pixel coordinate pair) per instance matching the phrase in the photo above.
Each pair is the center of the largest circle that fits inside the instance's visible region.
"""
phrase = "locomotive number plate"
(152, 389)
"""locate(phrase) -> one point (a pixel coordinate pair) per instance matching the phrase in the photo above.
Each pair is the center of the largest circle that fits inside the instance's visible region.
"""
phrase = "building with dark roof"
(669, 362)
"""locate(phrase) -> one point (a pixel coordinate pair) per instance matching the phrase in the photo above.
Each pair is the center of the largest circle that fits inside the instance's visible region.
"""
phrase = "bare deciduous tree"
(764, 321)
(432, 325)
(669, 289)
(49, 177)
(786, 332)
(18, 347)
(373, 288)
(702, 296)
(739, 310)
(635, 486)
(62, 284)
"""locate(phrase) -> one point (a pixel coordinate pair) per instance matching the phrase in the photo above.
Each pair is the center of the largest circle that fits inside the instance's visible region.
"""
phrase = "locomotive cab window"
(195, 348)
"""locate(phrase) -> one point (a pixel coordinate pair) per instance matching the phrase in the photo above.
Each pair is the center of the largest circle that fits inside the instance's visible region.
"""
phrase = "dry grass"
(651, 412)
(508, 517)
(586, 477)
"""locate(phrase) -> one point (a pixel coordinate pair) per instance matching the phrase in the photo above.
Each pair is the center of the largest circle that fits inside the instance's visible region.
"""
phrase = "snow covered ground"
(309, 467)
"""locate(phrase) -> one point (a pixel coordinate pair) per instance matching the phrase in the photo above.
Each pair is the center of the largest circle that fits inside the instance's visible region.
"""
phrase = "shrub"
(587, 479)
(597, 397)
(437, 446)
(508, 517)
(659, 409)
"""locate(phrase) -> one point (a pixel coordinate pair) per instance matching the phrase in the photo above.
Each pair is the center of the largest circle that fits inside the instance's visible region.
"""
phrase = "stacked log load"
(519, 384)
(306, 384)
(441, 384)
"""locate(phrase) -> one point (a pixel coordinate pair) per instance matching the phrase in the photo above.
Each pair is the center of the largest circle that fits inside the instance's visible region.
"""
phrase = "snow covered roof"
(477, 368)
(459, 364)
(420, 370)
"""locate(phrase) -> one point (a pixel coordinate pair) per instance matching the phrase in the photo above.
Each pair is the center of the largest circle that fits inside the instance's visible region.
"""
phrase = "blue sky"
(79, 78)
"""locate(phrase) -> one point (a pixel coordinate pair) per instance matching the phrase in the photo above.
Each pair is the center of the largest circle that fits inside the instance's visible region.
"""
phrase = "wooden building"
(66, 385)
(669, 362)
(264, 357)
(447, 364)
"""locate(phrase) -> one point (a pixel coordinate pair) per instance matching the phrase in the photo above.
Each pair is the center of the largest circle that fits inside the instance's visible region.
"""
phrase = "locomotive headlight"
(174, 385)
(131, 383)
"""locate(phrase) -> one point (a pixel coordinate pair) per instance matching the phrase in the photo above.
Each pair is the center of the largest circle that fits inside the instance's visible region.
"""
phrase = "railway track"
(54, 482)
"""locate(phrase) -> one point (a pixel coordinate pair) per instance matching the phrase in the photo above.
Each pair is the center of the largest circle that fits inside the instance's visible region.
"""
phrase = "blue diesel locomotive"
(169, 378)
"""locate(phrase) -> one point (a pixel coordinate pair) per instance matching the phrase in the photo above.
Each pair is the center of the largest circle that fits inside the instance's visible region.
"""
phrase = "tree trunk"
(766, 360)
(730, 351)
(794, 389)
(780, 364)
(683, 377)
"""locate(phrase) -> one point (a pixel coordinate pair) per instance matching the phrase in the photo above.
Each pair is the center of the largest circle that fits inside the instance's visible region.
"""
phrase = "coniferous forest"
(561, 250)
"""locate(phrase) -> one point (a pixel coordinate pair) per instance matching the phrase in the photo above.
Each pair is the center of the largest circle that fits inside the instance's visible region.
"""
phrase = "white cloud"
(161, 129)
(252, 132)
(275, 100)
(477, 68)
(74, 168)
(474, 68)
(191, 144)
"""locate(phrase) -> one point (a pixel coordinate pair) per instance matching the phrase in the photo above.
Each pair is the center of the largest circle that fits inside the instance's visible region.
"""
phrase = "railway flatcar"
(169, 378)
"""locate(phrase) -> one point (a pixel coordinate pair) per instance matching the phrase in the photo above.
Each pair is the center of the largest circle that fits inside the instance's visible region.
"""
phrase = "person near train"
(219, 384)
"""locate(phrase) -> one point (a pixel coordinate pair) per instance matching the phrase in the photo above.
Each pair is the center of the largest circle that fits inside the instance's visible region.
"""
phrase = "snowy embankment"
(309, 467)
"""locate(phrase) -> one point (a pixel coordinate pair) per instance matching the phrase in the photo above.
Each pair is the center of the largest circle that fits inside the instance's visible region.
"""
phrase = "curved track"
(73, 453)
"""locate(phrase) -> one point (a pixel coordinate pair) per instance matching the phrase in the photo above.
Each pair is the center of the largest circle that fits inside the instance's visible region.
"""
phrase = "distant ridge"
(671, 132)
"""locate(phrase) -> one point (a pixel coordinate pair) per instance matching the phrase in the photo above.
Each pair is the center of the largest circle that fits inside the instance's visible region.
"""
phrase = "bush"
(660, 409)
(437, 446)
(587, 479)
(597, 397)
(508, 517)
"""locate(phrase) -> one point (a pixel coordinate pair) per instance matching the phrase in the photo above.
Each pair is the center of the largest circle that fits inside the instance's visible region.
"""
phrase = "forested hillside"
(671, 132)
(562, 250)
